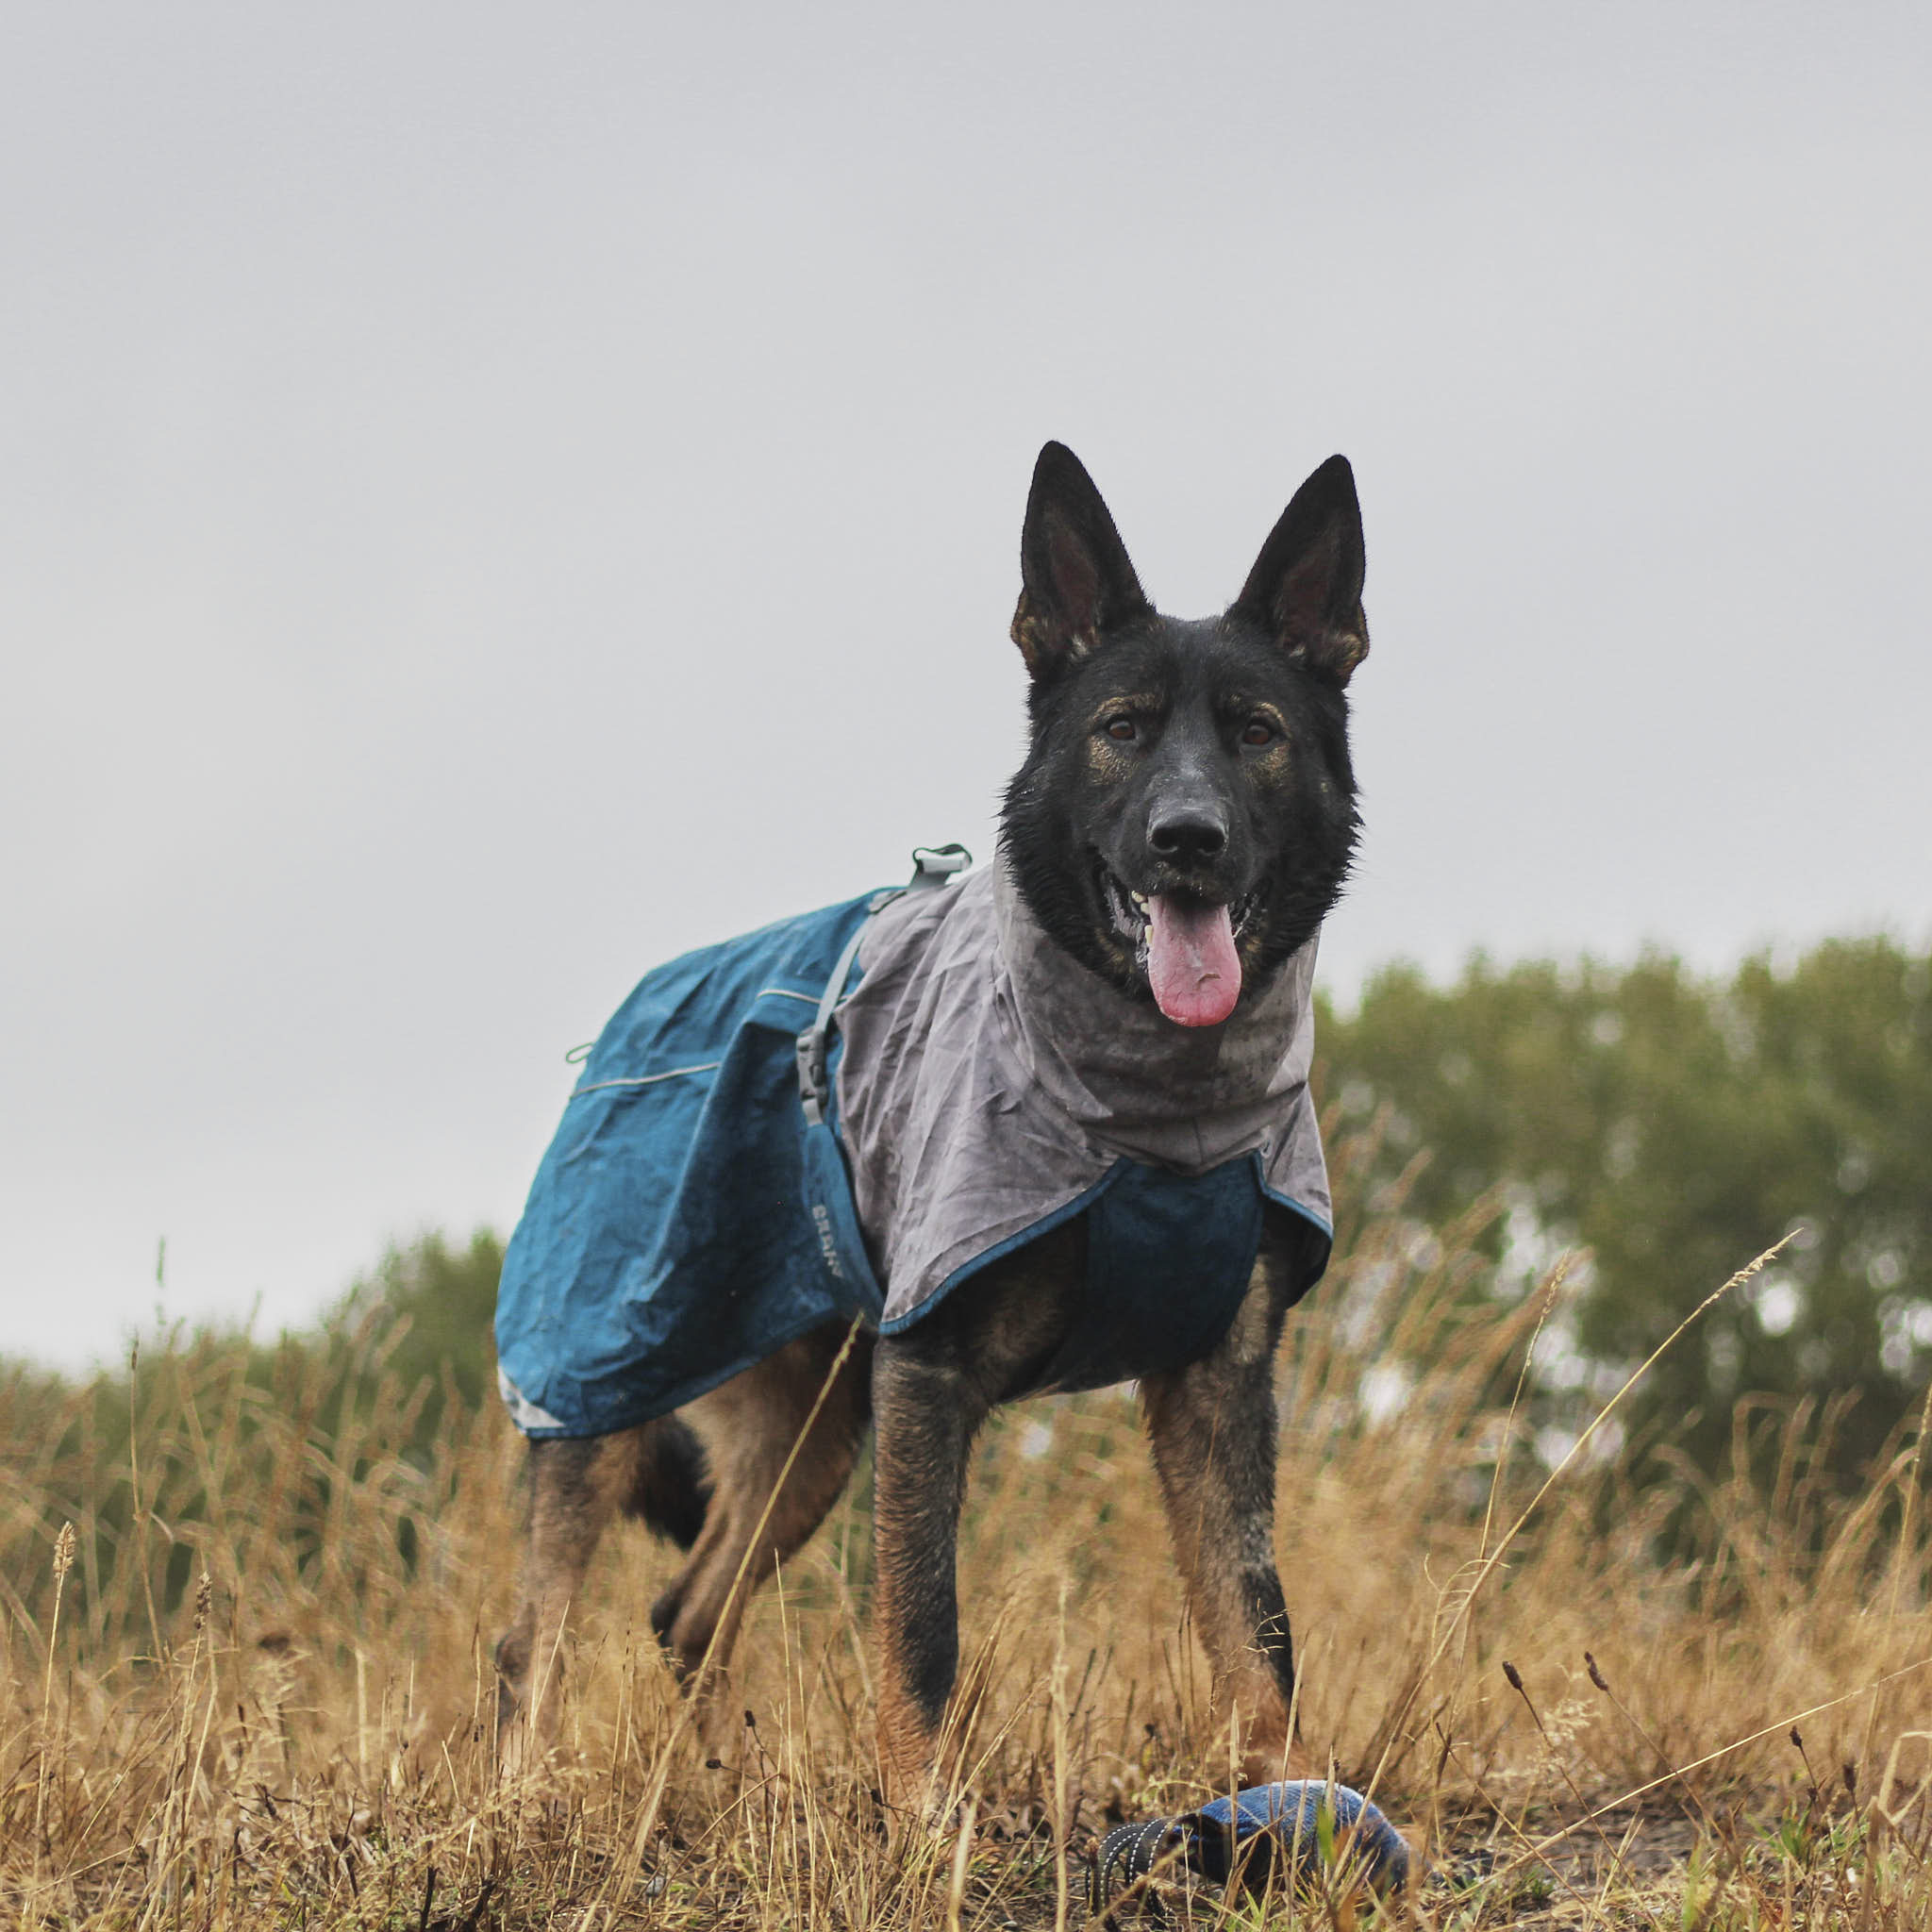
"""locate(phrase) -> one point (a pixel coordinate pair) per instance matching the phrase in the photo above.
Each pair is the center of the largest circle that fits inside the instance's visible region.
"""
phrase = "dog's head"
(1186, 814)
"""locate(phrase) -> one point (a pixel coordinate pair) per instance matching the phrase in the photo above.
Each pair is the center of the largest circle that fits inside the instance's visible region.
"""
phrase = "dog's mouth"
(1187, 946)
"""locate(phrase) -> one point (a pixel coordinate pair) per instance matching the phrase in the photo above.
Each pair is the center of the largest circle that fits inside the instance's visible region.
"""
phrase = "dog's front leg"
(926, 1413)
(1212, 1427)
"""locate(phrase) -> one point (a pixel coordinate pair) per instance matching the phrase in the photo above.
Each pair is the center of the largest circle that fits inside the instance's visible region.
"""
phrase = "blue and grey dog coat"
(853, 1111)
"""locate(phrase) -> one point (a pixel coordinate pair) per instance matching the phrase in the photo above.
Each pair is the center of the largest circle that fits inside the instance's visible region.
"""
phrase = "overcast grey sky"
(495, 495)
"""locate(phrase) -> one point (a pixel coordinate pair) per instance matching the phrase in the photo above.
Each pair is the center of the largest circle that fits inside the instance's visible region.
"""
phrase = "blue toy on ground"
(1268, 1832)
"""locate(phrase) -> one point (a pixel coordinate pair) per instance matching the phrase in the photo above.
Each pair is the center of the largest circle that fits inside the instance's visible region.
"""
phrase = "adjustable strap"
(933, 865)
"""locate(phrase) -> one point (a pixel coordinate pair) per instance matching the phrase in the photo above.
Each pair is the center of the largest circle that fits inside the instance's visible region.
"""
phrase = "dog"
(1073, 1145)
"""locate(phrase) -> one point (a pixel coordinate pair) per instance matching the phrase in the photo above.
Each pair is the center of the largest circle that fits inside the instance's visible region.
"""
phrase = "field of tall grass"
(245, 1673)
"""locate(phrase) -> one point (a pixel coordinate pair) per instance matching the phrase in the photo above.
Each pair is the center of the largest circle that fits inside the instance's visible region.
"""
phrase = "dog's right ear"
(1076, 582)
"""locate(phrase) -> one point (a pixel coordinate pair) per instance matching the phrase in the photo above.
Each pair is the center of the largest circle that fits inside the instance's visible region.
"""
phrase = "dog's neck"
(1183, 1096)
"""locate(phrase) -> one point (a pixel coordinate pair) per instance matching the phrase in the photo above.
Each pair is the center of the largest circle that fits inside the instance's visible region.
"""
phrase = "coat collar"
(1188, 1097)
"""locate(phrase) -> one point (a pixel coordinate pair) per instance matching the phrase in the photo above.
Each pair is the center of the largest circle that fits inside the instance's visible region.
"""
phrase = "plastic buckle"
(933, 865)
(814, 1088)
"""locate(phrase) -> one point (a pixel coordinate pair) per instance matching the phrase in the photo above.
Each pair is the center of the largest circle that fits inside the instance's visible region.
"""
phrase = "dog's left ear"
(1306, 587)
(1075, 576)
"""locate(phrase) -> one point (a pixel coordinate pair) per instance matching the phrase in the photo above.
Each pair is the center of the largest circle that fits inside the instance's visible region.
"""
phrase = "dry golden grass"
(259, 1693)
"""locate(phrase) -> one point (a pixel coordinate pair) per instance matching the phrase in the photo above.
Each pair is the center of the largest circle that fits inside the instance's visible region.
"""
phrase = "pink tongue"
(1191, 960)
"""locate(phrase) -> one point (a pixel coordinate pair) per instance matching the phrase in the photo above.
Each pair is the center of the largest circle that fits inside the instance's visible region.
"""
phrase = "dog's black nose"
(1188, 832)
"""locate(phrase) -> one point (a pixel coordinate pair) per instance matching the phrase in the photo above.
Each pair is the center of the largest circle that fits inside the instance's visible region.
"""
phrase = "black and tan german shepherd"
(1202, 765)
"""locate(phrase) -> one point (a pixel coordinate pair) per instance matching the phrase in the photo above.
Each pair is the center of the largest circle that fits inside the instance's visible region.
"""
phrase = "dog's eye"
(1121, 730)
(1258, 732)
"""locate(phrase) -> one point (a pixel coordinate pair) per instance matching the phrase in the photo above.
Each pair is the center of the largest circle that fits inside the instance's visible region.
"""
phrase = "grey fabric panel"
(989, 1079)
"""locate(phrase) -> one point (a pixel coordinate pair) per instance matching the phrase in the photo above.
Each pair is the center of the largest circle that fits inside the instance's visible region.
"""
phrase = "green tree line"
(1675, 1127)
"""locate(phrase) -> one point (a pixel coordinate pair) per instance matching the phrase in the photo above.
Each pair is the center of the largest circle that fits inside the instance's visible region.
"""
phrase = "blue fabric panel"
(1169, 1259)
(666, 1243)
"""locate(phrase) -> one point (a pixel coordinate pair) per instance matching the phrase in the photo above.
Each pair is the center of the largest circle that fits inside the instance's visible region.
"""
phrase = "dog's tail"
(670, 1488)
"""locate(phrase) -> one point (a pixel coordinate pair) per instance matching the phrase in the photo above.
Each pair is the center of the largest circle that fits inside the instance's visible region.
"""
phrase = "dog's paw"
(921, 1803)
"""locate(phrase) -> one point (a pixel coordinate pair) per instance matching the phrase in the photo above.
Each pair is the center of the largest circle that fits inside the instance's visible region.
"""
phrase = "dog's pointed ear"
(1075, 578)
(1306, 587)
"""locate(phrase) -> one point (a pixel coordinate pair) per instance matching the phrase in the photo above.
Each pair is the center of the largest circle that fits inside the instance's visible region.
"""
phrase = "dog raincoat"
(758, 1143)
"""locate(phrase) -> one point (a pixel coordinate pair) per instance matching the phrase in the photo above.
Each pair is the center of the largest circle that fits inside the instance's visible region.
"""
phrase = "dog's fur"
(1207, 760)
